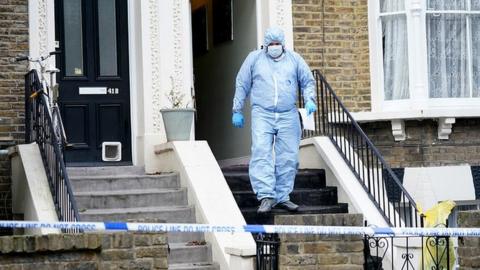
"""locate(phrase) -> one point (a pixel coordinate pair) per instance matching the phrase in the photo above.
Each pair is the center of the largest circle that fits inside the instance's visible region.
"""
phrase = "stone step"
(105, 171)
(312, 197)
(312, 178)
(251, 216)
(194, 266)
(130, 198)
(122, 182)
(186, 253)
(174, 214)
(185, 237)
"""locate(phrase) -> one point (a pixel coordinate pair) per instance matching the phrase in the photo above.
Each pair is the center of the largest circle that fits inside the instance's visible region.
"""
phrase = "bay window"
(425, 55)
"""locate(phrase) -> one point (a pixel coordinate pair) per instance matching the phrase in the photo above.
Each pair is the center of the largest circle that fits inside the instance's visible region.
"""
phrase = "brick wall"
(469, 247)
(321, 252)
(13, 41)
(422, 146)
(332, 36)
(84, 251)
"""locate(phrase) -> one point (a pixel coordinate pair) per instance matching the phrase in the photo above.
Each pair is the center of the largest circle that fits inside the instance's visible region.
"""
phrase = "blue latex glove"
(310, 107)
(237, 120)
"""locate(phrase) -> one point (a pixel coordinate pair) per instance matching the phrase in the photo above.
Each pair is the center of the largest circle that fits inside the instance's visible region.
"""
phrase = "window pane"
(447, 4)
(475, 5)
(72, 10)
(107, 38)
(391, 5)
(475, 23)
(395, 57)
(447, 55)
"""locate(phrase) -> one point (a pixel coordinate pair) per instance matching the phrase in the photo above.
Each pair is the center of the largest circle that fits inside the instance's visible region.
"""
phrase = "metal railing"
(365, 161)
(434, 252)
(39, 128)
(268, 248)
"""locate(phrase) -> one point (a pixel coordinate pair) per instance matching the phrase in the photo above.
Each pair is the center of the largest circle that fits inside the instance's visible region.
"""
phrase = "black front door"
(94, 76)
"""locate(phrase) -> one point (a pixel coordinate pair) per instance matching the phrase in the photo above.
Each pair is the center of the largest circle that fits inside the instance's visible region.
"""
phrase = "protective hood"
(274, 34)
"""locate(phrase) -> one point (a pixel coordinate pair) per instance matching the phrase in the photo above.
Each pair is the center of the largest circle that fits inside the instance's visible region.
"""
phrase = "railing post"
(322, 101)
(27, 109)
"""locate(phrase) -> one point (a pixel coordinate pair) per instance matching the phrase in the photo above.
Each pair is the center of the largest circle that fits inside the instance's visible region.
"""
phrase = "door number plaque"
(98, 91)
(112, 91)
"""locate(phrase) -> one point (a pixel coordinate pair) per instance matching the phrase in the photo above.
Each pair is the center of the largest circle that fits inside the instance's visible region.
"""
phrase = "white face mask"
(275, 50)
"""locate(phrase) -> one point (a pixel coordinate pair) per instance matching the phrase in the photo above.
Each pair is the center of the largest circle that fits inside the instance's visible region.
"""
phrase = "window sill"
(445, 118)
(416, 114)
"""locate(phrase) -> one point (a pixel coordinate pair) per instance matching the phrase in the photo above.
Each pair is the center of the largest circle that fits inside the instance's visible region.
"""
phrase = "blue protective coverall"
(273, 86)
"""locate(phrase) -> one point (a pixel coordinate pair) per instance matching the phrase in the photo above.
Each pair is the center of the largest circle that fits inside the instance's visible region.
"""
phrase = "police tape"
(208, 228)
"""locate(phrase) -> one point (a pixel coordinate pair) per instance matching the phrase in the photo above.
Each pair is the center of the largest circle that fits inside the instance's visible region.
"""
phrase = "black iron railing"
(434, 252)
(268, 246)
(372, 171)
(39, 128)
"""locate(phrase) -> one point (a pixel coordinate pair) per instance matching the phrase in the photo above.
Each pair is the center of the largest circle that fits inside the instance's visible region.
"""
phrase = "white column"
(275, 13)
(376, 59)
(150, 24)
(417, 55)
(41, 29)
(167, 64)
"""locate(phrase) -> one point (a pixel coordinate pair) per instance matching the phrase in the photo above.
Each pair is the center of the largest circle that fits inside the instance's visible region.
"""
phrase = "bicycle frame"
(47, 95)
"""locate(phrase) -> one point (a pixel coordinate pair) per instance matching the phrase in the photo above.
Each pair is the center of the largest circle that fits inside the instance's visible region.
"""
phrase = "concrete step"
(175, 215)
(171, 214)
(101, 182)
(251, 216)
(312, 197)
(128, 194)
(185, 237)
(311, 178)
(194, 266)
(130, 198)
(106, 171)
(184, 253)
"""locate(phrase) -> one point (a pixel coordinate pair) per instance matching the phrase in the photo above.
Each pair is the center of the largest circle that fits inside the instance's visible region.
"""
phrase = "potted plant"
(178, 118)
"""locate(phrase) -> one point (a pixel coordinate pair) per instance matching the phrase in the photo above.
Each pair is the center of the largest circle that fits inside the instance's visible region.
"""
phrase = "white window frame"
(419, 104)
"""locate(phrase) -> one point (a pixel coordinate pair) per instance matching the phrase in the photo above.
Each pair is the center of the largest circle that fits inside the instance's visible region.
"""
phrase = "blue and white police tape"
(292, 229)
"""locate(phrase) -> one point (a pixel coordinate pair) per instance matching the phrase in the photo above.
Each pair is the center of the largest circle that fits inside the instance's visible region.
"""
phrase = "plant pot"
(178, 123)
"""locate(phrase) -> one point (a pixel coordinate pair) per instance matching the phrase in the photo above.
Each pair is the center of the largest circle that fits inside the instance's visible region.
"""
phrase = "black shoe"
(288, 205)
(266, 205)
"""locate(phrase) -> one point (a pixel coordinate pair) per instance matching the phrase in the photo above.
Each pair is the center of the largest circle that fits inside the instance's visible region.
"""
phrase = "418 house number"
(112, 91)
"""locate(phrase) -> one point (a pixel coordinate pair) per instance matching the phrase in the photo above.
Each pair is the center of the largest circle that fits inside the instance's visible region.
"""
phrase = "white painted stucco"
(213, 200)
(31, 196)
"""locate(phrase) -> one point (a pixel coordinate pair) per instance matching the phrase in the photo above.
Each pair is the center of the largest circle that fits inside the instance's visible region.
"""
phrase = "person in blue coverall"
(271, 77)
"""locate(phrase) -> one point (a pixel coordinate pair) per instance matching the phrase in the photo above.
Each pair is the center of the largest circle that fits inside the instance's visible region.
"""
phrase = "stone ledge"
(84, 241)
(50, 242)
(85, 251)
(321, 220)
